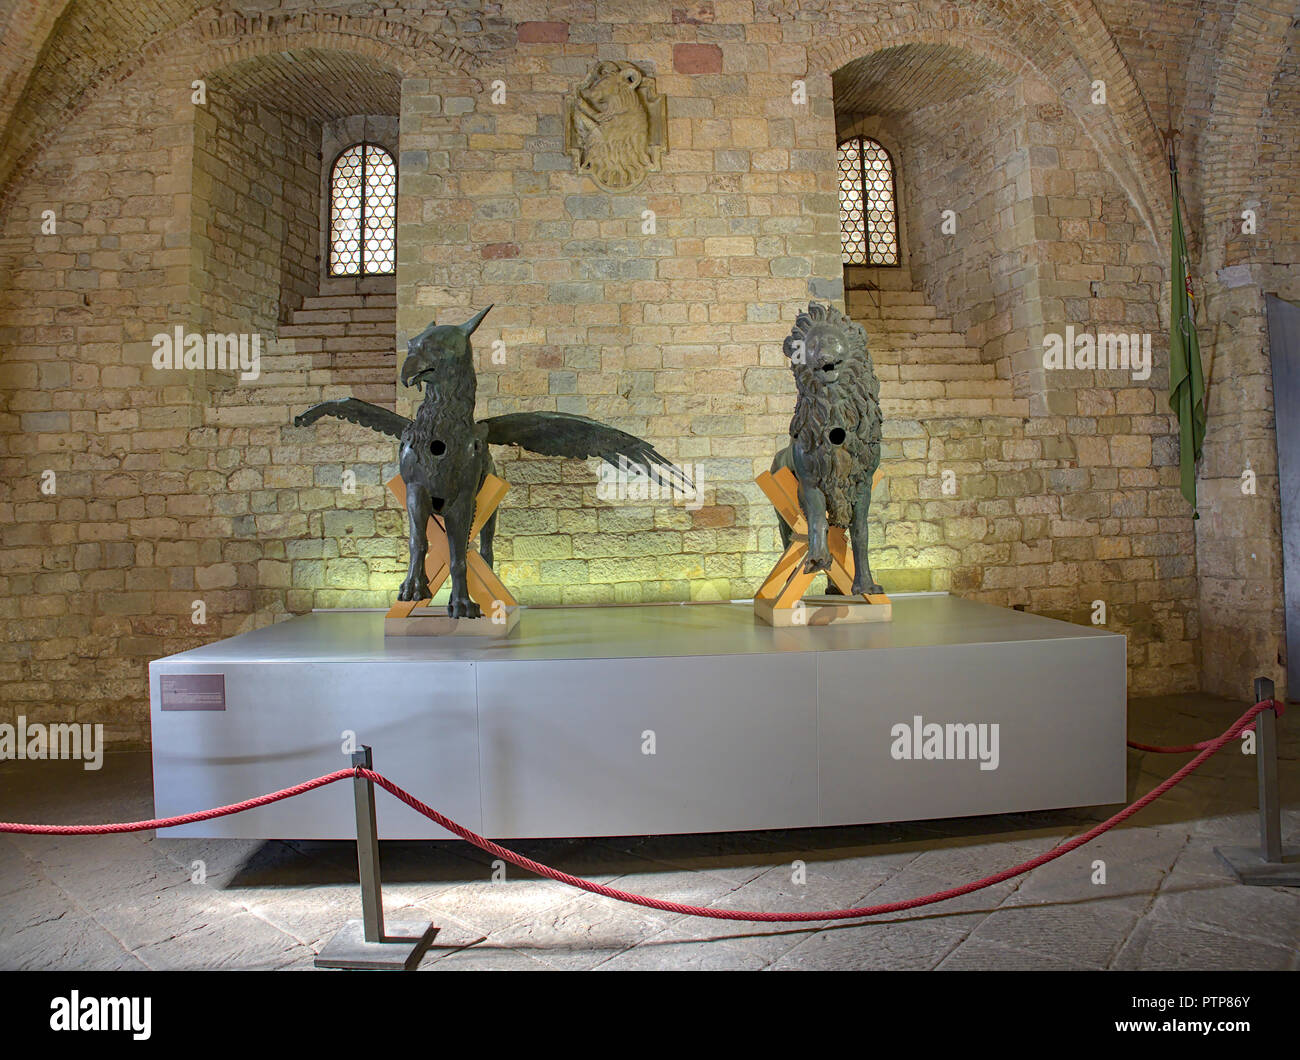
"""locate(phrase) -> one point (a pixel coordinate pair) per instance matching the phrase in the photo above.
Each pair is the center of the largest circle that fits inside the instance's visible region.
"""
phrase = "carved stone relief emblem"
(616, 126)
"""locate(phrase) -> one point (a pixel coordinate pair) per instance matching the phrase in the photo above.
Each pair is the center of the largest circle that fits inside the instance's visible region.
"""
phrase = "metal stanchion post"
(1271, 864)
(372, 898)
(364, 943)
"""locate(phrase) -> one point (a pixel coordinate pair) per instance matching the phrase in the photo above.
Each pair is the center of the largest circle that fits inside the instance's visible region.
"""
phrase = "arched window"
(868, 209)
(363, 212)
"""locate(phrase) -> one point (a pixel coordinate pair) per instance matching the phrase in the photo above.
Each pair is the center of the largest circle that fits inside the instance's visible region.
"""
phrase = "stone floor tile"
(978, 954)
(581, 933)
(65, 941)
(484, 957)
(871, 946)
(1090, 932)
(1136, 861)
(1157, 944)
(683, 955)
(1269, 914)
(237, 940)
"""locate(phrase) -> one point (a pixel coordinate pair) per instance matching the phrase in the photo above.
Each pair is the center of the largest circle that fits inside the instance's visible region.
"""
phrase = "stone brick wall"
(171, 487)
(174, 488)
(971, 157)
(88, 581)
(1238, 536)
(300, 506)
(256, 206)
(674, 334)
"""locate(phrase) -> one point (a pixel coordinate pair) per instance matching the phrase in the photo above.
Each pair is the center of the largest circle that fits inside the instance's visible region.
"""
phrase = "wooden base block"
(434, 622)
(826, 610)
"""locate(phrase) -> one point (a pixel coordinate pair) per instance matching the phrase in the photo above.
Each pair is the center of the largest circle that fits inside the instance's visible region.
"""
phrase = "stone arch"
(1243, 618)
(1129, 120)
(1006, 329)
(315, 90)
(227, 39)
(211, 40)
(1246, 74)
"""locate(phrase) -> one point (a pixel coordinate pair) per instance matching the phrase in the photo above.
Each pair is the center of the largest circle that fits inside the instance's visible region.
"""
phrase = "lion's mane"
(852, 403)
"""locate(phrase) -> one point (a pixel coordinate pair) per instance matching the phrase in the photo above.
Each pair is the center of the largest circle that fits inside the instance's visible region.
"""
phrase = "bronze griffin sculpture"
(834, 445)
(444, 454)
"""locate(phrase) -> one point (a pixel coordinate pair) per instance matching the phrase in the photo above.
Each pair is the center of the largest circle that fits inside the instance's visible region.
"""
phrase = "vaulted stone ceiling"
(313, 82)
(52, 50)
(76, 41)
(911, 77)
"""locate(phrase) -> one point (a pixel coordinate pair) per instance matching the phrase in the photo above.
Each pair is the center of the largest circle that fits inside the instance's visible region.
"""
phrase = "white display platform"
(544, 733)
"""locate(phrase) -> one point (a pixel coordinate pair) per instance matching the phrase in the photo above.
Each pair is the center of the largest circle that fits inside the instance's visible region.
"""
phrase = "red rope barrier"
(1176, 750)
(1209, 748)
(1276, 704)
(172, 822)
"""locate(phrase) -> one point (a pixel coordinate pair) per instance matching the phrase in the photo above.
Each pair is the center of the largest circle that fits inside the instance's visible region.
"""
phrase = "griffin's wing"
(563, 434)
(362, 412)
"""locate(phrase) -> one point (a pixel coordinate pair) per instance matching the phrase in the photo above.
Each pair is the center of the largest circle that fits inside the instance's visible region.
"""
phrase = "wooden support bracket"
(779, 600)
(500, 608)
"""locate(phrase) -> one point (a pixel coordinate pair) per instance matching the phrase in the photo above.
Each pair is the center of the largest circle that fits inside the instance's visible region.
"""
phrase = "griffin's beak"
(413, 370)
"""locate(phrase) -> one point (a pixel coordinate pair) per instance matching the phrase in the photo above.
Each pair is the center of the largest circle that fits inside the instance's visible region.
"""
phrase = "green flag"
(1186, 383)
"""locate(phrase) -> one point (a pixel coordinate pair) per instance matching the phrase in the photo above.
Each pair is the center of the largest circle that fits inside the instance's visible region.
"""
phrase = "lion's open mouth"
(830, 371)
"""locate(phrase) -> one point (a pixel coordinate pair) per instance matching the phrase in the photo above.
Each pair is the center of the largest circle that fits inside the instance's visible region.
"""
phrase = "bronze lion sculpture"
(834, 445)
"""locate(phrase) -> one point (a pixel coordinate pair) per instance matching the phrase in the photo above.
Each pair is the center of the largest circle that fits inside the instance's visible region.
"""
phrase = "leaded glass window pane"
(868, 212)
(363, 212)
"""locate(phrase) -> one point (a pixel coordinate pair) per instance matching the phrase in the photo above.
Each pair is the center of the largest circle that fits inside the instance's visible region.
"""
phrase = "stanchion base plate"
(1251, 868)
(401, 949)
